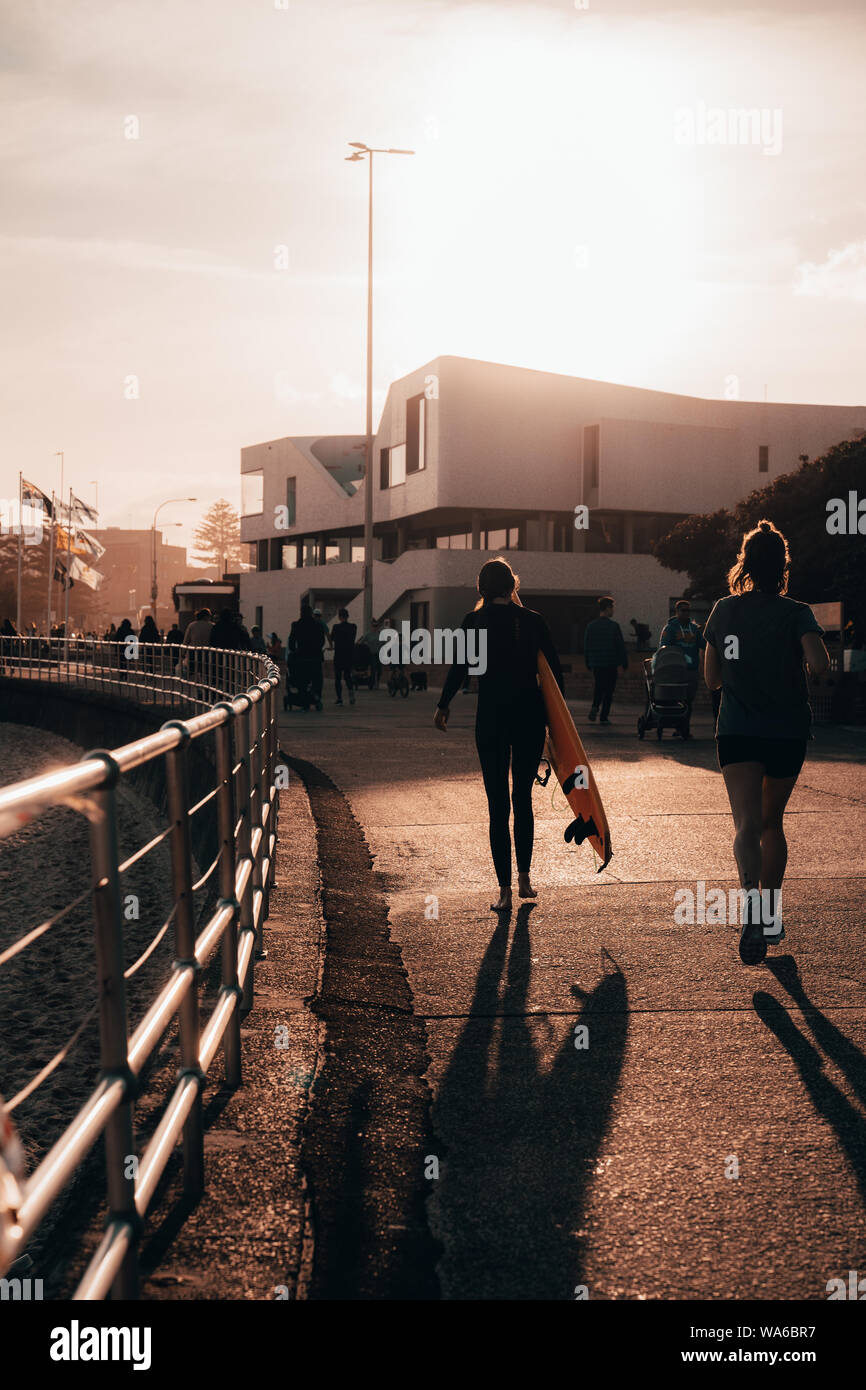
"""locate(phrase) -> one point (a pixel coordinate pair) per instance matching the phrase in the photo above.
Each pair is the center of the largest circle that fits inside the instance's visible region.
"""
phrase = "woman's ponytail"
(762, 563)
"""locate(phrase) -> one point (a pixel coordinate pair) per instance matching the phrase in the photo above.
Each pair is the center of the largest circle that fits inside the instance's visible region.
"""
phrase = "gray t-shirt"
(764, 690)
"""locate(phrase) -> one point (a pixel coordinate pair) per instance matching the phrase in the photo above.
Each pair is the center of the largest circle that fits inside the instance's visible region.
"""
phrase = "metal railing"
(159, 673)
(238, 730)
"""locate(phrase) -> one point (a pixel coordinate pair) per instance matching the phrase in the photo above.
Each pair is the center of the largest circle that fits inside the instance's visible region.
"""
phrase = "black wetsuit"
(509, 724)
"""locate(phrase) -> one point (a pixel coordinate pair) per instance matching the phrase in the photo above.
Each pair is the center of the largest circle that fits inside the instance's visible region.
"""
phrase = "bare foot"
(524, 887)
(504, 903)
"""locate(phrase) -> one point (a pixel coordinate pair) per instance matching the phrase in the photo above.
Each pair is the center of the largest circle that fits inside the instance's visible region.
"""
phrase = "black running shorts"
(781, 757)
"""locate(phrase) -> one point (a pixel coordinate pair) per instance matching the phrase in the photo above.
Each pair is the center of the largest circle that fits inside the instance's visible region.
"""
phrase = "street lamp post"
(362, 150)
(154, 583)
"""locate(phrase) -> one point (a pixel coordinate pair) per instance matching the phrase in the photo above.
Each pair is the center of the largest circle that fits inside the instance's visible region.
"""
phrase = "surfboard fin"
(580, 830)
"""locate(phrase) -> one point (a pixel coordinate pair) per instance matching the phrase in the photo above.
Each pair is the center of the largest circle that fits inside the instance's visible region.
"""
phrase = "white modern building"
(473, 459)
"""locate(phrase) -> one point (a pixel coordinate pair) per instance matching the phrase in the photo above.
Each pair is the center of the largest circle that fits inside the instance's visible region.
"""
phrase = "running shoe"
(753, 943)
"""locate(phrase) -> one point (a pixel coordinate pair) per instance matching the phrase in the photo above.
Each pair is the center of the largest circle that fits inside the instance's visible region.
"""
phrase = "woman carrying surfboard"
(510, 718)
(757, 640)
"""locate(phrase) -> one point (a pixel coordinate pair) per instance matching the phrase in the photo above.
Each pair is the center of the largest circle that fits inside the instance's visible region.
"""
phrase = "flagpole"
(60, 496)
(20, 551)
(50, 562)
(68, 567)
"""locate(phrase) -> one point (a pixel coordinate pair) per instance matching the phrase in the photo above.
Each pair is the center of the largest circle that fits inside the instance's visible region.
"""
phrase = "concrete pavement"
(706, 1137)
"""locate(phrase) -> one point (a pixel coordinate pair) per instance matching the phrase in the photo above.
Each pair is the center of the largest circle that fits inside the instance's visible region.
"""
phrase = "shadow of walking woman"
(847, 1121)
(521, 1138)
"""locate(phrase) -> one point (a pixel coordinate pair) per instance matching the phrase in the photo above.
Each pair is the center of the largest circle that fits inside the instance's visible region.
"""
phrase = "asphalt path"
(614, 1106)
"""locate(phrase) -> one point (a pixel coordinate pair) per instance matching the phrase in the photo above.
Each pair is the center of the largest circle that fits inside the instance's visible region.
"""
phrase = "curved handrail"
(235, 693)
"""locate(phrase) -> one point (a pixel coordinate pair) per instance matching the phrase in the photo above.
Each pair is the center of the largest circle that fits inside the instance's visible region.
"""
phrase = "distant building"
(473, 459)
(128, 566)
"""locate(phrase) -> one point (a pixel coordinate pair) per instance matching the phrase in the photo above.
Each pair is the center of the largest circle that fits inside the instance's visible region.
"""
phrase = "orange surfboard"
(572, 769)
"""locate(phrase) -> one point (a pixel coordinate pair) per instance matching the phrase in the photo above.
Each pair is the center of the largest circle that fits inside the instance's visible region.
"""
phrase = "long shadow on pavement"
(521, 1138)
(848, 1123)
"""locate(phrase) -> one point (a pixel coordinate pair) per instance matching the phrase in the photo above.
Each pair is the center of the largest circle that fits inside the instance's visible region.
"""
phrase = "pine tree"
(218, 539)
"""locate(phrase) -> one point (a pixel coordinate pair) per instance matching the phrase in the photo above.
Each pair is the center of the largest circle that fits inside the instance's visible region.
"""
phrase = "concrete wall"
(506, 437)
(322, 504)
(641, 587)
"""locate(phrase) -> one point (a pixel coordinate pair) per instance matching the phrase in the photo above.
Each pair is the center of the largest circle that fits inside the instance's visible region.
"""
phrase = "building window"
(590, 455)
(503, 538)
(463, 541)
(253, 493)
(252, 550)
(259, 617)
(291, 499)
(311, 550)
(606, 535)
(416, 441)
(392, 466)
(419, 615)
(397, 464)
(290, 555)
(763, 458)
(357, 552)
(261, 556)
(337, 551)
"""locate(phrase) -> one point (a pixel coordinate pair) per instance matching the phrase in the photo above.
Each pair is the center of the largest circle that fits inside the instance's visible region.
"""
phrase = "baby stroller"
(669, 690)
(299, 692)
(363, 671)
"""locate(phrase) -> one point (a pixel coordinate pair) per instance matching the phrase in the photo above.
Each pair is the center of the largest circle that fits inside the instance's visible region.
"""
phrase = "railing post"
(273, 707)
(242, 757)
(264, 767)
(113, 1037)
(184, 936)
(256, 725)
(226, 817)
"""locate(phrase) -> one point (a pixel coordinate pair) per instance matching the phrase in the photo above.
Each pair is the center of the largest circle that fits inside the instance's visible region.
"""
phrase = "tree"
(825, 566)
(218, 539)
(34, 577)
(86, 606)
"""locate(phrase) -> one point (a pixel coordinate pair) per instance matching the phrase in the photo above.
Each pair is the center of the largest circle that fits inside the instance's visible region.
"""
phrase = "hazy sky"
(555, 215)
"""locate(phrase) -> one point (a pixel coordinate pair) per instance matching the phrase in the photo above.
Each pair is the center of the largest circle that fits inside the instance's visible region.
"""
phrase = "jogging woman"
(509, 723)
(756, 643)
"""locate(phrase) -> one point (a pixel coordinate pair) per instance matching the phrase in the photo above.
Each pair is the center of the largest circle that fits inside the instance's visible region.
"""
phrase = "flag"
(30, 493)
(88, 545)
(78, 570)
(60, 573)
(80, 510)
(79, 543)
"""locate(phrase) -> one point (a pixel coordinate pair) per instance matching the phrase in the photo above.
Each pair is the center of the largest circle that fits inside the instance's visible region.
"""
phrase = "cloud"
(841, 276)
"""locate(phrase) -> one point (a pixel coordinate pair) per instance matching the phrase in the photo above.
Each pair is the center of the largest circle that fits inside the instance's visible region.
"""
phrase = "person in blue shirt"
(683, 633)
